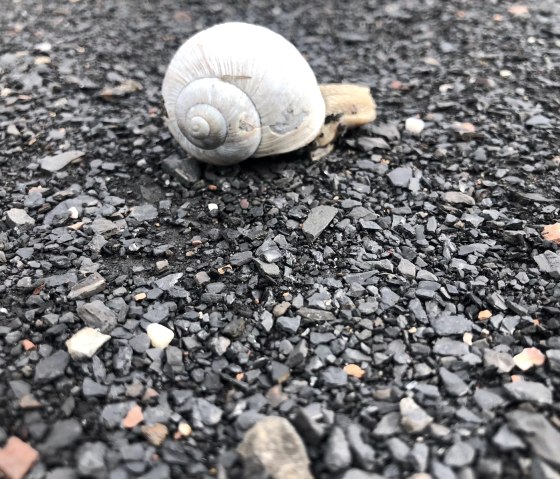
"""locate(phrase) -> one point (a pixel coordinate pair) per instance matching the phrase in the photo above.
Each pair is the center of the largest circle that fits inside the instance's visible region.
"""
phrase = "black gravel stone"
(63, 434)
(461, 454)
(542, 435)
(98, 316)
(337, 452)
(52, 367)
(400, 176)
(364, 454)
(451, 325)
(319, 218)
(90, 459)
(529, 391)
(453, 384)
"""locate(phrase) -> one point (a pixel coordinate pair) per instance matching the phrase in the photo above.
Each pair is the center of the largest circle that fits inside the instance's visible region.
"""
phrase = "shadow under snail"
(236, 91)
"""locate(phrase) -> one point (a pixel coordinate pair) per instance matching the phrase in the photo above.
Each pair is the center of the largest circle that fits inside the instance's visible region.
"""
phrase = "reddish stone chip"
(17, 458)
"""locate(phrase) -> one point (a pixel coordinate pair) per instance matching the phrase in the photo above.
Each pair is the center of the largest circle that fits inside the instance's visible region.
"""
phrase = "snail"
(236, 91)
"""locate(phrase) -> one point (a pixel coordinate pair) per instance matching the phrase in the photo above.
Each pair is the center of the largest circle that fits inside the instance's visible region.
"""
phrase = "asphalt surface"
(396, 302)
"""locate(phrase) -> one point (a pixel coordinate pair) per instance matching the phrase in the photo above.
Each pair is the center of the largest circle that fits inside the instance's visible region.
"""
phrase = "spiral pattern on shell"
(236, 91)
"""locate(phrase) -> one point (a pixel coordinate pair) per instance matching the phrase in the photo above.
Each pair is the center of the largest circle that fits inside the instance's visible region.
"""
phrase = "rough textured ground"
(419, 332)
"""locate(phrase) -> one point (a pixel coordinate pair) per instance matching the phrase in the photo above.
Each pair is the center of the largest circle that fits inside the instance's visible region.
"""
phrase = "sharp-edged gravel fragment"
(17, 217)
(318, 219)
(97, 315)
(89, 286)
(400, 176)
(413, 418)
(530, 391)
(59, 161)
(52, 367)
(85, 343)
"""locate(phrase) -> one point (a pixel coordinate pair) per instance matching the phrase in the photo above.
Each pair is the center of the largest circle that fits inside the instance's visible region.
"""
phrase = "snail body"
(236, 90)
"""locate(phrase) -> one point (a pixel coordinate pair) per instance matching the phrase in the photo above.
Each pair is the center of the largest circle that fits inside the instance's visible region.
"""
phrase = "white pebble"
(212, 206)
(74, 213)
(414, 125)
(159, 335)
(505, 73)
(85, 343)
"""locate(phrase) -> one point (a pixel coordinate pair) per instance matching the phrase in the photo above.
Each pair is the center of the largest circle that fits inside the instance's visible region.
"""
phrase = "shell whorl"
(218, 119)
(237, 90)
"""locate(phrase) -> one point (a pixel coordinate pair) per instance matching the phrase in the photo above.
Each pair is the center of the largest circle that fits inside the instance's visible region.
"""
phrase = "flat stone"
(461, 454)
(168, 282)
(90, 460)
(17, 458)
(368, 144)
(388, 425)
(155, 433)
(143, 213)
(51, 367)
(205, 413)
(85, 343)
(103, 226)
(92, 389)
(58, 162)
(98, 316)
(337, 451)
(364, 454)
(239, 259)
(272, 448)
(185, 170)
(400, 177)
(17, 217)
(539, 121)
(458, 198)
(453, 384)
(140, 343)
(507, 440)
(530, 391)
(318, 219)
(413, 418)
(529, 358)
(288, 323)
(112, 415)
(62, 473)
(133, 417)
(89, 286)
(219, 345)
(269, 269)
(450, 347)
(202, 277)
(388, 298)
(488, 400)
(406, 268)
(62, 434)
(334, 377)
(553, 356)
(499, 360)
(318, 315)
(549, 262)
(539, 433)
(447, 325)
(360, 474)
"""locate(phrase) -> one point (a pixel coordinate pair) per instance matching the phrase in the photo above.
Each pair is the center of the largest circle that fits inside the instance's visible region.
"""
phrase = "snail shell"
(236, 91)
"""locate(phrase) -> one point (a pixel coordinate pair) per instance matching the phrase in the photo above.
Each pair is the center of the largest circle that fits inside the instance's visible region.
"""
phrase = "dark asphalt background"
(466, 213)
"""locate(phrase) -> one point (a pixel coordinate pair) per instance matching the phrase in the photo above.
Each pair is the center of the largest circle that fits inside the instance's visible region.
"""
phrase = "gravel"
(393, 307)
